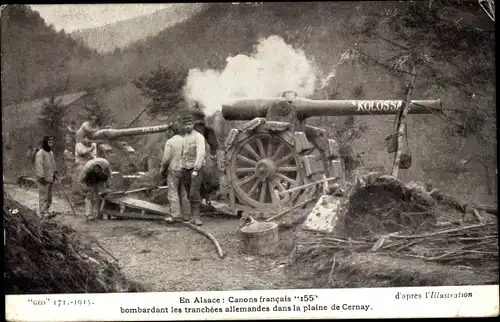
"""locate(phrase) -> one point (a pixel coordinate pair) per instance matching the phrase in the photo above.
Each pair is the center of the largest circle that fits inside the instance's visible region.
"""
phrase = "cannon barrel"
(248, 109)
(111, 134)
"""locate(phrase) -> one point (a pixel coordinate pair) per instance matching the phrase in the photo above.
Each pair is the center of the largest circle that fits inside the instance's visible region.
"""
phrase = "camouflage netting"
(392, 234)
(47, 257)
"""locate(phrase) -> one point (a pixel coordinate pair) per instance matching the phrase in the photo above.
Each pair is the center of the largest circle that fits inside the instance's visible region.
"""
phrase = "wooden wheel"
(261, 164)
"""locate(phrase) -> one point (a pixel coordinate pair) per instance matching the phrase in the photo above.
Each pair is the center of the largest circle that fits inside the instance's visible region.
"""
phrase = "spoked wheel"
(261, 164)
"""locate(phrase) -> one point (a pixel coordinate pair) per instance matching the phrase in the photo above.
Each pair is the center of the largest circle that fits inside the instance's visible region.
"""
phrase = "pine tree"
(164, 88)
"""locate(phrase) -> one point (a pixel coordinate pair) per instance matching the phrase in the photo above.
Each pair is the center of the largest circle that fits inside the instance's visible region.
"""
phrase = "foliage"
(452, 51)
(164, 87)
(432, 39)
(104, 115)
(36, 59)
(51, 122)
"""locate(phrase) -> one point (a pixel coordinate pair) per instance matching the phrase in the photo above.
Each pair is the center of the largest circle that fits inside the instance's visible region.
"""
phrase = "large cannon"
(113, 134)
(276, 151)
(109, 140)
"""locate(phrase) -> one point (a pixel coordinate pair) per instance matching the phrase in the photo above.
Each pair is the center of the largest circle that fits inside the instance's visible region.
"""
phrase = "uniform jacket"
(86, 172)
(45, 165)
(193, 151)
(83, 154)
(210, 136)
(69, 159)
(84, 131)
(172, 154)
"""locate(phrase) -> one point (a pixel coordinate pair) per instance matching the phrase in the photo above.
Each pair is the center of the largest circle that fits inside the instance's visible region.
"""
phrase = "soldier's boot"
(195, 210)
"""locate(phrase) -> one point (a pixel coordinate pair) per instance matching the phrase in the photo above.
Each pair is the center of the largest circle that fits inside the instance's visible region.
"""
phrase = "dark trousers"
(193, 186)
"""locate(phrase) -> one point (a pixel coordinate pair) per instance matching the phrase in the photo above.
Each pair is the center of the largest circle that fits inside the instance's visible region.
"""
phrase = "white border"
(446, 301)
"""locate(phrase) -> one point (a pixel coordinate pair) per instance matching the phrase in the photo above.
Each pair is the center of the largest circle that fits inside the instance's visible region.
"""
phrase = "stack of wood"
(402, 232)
(471, 246)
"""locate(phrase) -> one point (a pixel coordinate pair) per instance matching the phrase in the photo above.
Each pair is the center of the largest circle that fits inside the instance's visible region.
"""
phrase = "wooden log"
(134, 191)
(259, 238)
(487, 208)
(308, 185)
(401, 125)
(284, 212)
(208, 235)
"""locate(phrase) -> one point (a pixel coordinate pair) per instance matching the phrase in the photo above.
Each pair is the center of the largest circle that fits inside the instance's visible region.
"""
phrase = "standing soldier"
(84, 151)
(87, 128)
(171, 168)
(192, 162)
(69, 162)
(45, 167)
(208, 133)
(94, 183)
(210, 174)
(70, 134)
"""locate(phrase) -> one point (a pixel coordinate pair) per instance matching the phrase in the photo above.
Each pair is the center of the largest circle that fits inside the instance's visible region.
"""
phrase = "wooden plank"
(135, 215)
(313, 164)
(332, 149)
(253, 124)
(140, 204)
(324, 216)
(301, 142)
(276, 126)
(230, 138)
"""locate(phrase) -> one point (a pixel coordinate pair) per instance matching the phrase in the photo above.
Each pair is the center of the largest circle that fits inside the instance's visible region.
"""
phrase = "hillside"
(36, 59)
(120, 34)
(324, 32)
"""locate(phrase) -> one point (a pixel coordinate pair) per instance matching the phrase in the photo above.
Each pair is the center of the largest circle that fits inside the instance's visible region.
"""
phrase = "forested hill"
(36, 59)
(109, 37)
(357, 48)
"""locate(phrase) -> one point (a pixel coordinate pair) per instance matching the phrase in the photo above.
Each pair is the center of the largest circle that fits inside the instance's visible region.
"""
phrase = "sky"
(81, 16)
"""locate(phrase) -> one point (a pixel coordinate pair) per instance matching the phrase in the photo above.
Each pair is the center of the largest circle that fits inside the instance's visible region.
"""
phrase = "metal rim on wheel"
(261, 164)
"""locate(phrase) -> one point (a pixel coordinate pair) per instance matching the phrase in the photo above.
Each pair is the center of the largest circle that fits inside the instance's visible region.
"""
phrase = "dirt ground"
(173, 257)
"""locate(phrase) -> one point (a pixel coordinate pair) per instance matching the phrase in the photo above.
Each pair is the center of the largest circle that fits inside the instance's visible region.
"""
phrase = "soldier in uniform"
(94, 181)
(70, 134)
(192, 164)
(210, 176)
(46, 171)
(84, 151)
(87, 128)
(171, 168)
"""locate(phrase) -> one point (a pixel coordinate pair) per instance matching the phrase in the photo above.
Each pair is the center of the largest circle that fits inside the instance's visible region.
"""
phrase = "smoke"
(271, 69)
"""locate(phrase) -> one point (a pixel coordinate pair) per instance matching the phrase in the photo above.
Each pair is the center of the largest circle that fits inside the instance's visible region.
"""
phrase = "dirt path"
(174, 258)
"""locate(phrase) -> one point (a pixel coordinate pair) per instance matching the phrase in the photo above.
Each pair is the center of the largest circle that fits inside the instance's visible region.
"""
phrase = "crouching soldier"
(94, 181)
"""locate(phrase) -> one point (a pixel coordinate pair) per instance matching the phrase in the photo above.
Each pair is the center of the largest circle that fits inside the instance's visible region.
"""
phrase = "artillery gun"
(108, 139)
(276, 151)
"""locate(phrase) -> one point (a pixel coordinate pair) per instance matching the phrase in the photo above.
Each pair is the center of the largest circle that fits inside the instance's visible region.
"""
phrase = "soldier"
(70, 134)
(84, 151)
(192, 163)
(87, 128)
(171, 168)
(69, 162)
(45, 167)
(210, 175)
(208, 133)
(94, 181)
